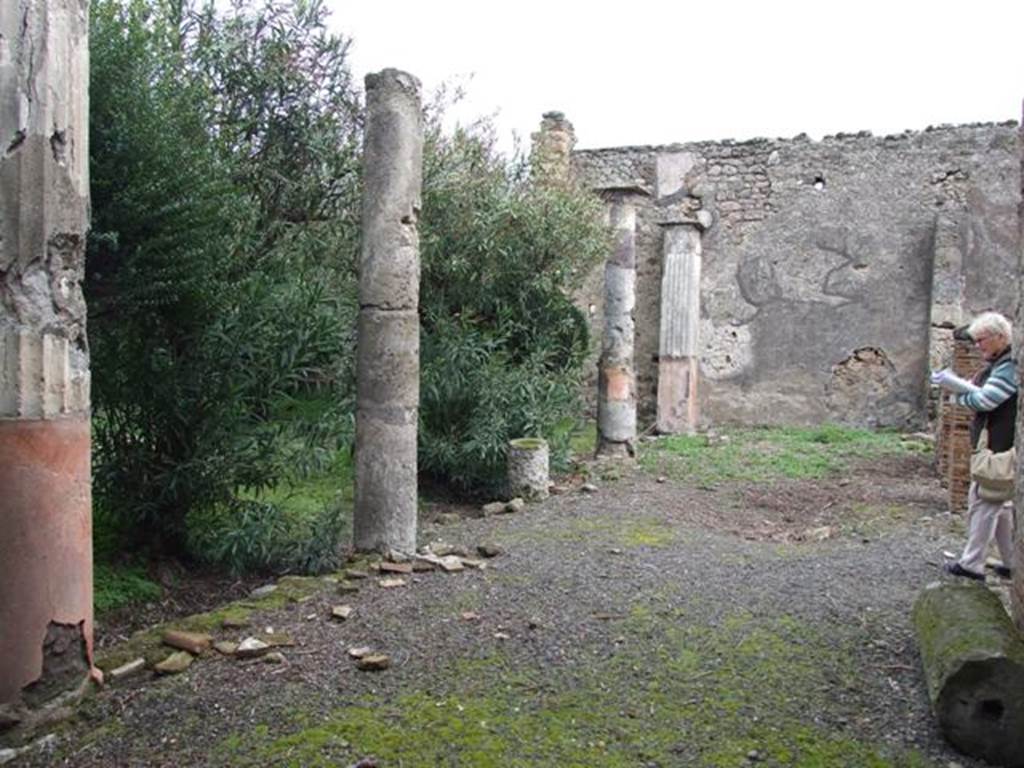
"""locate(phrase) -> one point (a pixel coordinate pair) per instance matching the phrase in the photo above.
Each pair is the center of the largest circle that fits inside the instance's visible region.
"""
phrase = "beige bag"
(993, 472)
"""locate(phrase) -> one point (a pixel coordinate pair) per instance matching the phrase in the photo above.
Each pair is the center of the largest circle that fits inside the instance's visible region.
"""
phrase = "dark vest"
(1001, 421)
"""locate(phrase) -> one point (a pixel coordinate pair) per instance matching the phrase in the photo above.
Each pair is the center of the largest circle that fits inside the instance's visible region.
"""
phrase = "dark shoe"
(955, 569)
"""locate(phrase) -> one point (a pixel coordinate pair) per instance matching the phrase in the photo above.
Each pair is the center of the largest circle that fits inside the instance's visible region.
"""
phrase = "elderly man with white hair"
(992, 395)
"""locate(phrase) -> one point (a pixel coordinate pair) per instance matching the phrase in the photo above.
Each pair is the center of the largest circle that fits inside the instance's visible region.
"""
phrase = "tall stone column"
(1017, 588)
(388, 356)
(46, 620)
(678, 361)
(616, 379)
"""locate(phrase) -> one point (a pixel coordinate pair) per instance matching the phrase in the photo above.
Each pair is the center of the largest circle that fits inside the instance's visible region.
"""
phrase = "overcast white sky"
(646, 72)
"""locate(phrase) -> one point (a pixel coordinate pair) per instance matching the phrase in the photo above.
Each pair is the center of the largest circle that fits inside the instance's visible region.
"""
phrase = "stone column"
(551, 150)
(1017, 587)
(46, 621)
(388, 387)
(616, 378)
(678, 360)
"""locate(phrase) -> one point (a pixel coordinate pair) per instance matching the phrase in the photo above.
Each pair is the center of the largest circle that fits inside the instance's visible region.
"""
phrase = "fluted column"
(388, 387)
(678, 364)
(46, 620)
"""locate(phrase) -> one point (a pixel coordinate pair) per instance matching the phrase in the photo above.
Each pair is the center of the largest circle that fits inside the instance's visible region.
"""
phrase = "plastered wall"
(833, 271)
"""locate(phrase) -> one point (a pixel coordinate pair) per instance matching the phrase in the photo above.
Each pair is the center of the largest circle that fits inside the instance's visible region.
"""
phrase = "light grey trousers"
(985, 519)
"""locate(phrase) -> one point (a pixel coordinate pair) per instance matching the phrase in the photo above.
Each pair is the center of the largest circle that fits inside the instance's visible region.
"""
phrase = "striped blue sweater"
(999, 387)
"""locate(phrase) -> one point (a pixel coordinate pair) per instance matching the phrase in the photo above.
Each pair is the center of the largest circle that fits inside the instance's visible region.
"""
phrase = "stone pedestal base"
(528, 468)
(677, 396)
(45, 559)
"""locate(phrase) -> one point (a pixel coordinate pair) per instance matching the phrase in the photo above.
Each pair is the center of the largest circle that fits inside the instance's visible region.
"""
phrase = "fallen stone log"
(973, 659)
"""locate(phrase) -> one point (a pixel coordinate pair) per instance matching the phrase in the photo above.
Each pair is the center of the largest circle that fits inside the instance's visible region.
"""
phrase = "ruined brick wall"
(833, 270)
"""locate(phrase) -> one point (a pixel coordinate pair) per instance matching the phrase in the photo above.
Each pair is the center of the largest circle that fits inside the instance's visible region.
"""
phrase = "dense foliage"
(221, 283)
(212, 293)
(503, 345)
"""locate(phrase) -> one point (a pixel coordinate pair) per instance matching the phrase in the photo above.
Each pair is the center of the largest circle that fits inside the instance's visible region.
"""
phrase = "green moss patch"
(766, 454)
(667, 693)
(148, 643)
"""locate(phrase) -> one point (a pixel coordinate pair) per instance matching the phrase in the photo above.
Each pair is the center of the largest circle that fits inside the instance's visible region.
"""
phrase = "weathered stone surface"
(278, 639)
(489, 550)
(822, 241)
(373, 662)
(341, 612)
(384, 518)
(127, 670)
(193, 642)
(251, 647)
(358, 652)
(493, 508)
(225, 647)
(528, 468)
(175, 663)
(392, 582)
(973, 660)
(387, 567)
(512, 506)
(264, 591)
(451, 563)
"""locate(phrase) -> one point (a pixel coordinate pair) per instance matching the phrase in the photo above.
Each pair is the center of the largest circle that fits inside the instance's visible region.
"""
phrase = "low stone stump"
(973, 659)
(528, 468)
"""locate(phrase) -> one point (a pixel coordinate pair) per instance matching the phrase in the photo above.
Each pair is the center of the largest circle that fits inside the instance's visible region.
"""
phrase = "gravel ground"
(646, 624)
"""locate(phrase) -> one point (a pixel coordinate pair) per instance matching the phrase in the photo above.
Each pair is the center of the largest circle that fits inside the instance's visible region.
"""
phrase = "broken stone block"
(250, 648)
(175, 663)
(373, 662)
(395, 567)
(127, 670)
(489, 550)
(493, 508)
(358, 651)
(515, 505)
(391, 583)
(341, 612)
(588, 488)
(451, 564)
(356, 574)
(472, 562)
(193, 642)
(266, 589)
(422, 564)
(278, 639)
(225, 647)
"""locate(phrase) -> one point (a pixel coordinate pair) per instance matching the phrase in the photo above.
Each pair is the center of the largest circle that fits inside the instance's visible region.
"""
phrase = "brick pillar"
(388, 358)
(46, 620)
(551, 150)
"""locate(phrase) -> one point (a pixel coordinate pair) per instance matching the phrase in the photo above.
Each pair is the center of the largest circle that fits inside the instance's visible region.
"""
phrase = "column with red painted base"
(45, 491)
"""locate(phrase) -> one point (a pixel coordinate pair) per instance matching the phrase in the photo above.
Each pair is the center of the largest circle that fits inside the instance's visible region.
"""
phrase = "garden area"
(733, 597)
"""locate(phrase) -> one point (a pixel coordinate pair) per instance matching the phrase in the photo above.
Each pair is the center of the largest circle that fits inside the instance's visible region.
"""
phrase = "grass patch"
(115, 586)
(770, 453)
(671, 694)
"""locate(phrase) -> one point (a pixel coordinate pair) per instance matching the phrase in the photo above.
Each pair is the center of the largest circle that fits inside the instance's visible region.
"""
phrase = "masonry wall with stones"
(833, 271)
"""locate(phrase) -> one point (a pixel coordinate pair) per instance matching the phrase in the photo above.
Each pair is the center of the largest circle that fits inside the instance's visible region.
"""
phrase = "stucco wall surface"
(832, 269)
